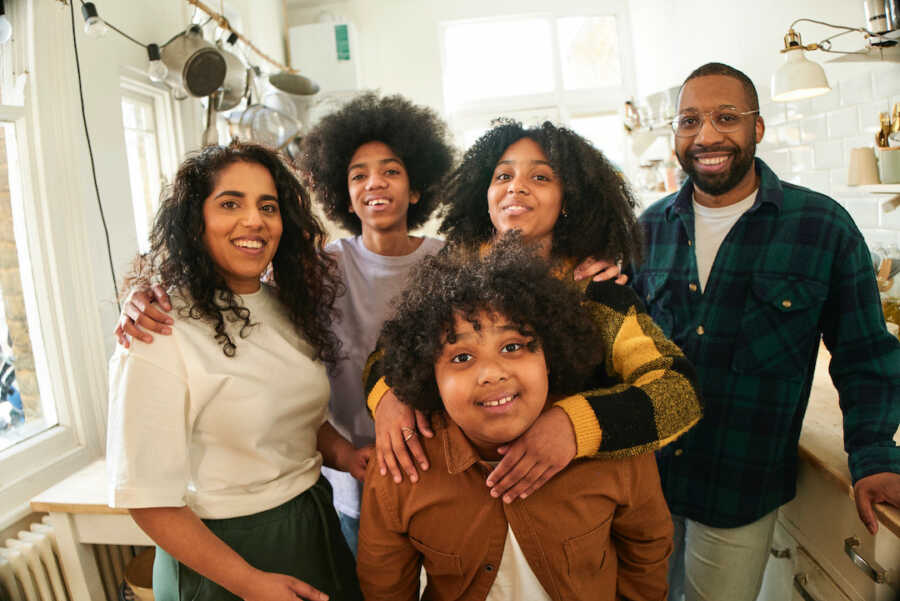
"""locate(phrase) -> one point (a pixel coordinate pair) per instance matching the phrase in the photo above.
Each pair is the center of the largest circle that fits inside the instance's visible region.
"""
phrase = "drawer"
(811, 583)
(821, 518)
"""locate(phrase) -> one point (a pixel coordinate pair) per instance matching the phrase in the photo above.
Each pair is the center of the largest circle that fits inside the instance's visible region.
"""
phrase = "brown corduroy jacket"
(599, 530)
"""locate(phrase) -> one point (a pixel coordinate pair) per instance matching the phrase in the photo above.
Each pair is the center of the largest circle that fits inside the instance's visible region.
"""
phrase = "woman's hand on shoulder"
(397, 429)
(600, 270)
(144, 307)
(269, 586)
(536, 456)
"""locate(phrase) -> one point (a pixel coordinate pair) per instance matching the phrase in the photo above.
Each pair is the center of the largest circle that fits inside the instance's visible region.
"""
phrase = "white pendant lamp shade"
(798, 78)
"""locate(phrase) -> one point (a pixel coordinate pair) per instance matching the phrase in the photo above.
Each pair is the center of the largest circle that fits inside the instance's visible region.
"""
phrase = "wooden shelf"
(881, 188)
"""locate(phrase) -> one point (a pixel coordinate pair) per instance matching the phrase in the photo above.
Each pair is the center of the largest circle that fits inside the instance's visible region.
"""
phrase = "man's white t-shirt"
(711, 225)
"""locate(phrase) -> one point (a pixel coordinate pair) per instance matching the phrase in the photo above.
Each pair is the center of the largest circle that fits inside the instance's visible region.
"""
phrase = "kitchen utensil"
(236, 82)
(294, 83)
(268, 126)
(876, 15)
(863, 169)
(889, 165)
(210, 135)
(893, 14)
(194, 63)
(884, 279)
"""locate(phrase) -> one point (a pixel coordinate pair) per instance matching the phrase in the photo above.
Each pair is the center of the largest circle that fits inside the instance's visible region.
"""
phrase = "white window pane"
(497, 59)
(605, 132)
(144, 169)
(22, 412)
(589, 51)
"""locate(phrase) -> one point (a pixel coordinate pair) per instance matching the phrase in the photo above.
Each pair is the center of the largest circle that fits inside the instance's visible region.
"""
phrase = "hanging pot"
(236, 82)
(194, 63)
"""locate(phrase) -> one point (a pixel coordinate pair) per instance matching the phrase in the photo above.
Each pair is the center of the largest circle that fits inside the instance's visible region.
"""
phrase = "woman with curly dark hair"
(216, 430)
(563, 196)
(375, 165)
(484, 346)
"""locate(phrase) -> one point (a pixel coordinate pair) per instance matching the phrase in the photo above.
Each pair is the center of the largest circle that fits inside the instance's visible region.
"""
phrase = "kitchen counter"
(822, 442)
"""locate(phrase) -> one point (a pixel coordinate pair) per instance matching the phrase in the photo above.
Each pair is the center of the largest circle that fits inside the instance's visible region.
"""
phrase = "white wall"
(399, 40)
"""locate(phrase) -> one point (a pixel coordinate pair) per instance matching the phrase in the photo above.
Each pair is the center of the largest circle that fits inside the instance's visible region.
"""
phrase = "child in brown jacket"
(484, 344)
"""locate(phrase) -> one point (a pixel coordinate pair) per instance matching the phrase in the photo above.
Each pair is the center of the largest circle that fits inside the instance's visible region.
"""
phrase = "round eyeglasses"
(725, 121)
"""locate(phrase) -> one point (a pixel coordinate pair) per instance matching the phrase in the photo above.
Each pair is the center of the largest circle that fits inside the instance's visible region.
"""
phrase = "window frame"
(167, 125)
(54, 178)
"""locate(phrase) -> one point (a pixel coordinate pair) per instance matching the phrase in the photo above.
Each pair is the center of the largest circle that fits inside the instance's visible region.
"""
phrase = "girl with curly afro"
(564, 197)
(215, 431)
(481, 345)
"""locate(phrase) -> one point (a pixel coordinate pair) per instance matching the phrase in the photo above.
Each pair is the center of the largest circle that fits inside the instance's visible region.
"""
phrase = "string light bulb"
(5, 25)
(156, 69)
(94, 26)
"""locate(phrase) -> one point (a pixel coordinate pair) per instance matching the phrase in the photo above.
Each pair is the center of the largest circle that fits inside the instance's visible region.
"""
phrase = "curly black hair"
(306, 277)
(599, 219)
(510, 281)
(415, 133)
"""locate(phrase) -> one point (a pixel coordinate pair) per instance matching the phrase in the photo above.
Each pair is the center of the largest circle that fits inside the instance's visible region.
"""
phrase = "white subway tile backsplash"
(772, 112)
(778, 160)
(826, 102)
(869, 115)
(815, 180)
(857, 90)
(828, 155)
(889, 219)
(798, 110)
(843, 122)
(887, 81)
(787, 135)
(878, 237)
(801, 158)
(813, 129)
(863, 210)
(857, 142)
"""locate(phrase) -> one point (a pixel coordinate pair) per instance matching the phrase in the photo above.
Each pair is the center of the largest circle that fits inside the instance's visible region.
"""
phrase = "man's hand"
(600, 270)
(883, 487)
(396, 436)
(142, 308)
(536, 456)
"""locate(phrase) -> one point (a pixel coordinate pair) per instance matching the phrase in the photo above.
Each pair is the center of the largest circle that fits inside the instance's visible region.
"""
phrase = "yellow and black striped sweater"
(644, 395)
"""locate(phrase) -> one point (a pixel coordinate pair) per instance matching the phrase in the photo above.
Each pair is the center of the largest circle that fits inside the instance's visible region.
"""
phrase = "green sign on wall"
(342, 42)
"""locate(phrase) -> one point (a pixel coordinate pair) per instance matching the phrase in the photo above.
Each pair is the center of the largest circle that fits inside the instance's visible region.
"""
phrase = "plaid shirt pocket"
(780, 315)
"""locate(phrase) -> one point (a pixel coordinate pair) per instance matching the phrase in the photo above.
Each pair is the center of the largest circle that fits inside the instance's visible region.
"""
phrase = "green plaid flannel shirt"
(793, 268)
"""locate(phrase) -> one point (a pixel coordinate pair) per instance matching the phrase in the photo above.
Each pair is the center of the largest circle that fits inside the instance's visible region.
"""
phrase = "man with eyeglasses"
(746, 272)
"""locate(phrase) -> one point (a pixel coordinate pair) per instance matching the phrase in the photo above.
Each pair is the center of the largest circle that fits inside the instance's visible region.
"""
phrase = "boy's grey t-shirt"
(372, 282)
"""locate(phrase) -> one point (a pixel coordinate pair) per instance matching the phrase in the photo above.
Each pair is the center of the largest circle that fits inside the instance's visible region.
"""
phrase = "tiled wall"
(809, 142)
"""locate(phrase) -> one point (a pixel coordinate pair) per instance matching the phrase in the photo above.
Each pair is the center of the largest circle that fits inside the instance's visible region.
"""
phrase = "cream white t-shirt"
(225, 436)
(711, 225)
(515, 579)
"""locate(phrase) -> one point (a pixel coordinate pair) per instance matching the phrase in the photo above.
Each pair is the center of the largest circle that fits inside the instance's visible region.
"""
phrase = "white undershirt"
(515, 578)
(711, 225)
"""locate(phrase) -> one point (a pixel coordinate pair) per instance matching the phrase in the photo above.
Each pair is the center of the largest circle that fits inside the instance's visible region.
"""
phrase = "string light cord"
(119, 31)
(87, 135)
(825, 45)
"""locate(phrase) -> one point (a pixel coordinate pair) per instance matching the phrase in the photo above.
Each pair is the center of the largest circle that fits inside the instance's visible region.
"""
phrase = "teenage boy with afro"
(484, 345)
(374, 166)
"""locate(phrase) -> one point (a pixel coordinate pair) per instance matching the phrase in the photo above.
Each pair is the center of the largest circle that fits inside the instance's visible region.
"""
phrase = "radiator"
(30, 567)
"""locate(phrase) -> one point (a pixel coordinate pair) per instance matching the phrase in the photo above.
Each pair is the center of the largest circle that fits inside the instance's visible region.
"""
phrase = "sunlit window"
(589, 52)
(144, 173)
(23, 411)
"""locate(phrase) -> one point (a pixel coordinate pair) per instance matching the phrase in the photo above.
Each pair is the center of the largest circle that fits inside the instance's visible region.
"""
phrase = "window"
(24, 412)
(569, 69)
(149, 144)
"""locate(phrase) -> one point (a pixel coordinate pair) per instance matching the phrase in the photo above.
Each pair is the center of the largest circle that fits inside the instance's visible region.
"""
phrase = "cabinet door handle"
(800, 581)
(872, 569)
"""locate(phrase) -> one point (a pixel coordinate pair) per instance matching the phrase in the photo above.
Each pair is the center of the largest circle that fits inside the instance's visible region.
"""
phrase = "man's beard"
(719, 183)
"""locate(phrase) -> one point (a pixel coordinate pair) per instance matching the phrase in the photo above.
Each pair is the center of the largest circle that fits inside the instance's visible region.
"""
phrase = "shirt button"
(690, 243)
(679, 452)
(700, 330)
(786, 303)
(488, 567)
(693, 287)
